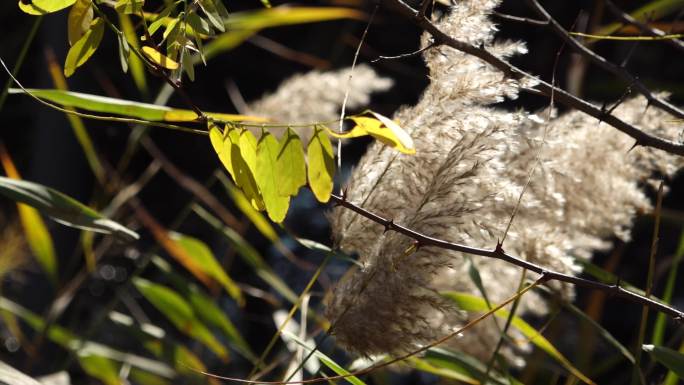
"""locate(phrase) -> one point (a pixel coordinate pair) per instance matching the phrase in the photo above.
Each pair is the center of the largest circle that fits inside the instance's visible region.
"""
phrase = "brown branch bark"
(641, 137)
(499, 253)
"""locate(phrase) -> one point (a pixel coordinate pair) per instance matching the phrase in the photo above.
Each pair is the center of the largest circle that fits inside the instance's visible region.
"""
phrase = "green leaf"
(136, 64)
(198, 24)
(204, 307)
(242, 25)
(671, 359)
(62, 208)
(290, 165)
(101, 368)
(180, 313)
(222, 146)
(206, 260)
(451, 364)
(321, 165)
(471, 303)
(243, 154)
(248, 254)
(39, 239)
(85, 47)
(187, 64)
(41, 7)
(266, 176)
(243, 204)
(159, 59)
(129, 6)
(80, 17)
(327, 361)
(281, 16)
(124, 52)
(146, 111)
(212, 315)
(212, 12)
(661, 318)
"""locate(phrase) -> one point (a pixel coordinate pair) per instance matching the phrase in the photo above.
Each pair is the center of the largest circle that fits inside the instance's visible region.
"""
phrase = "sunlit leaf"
(129, 6)
(212, 315)
(9, 375)
(386, 131)
(242, 25)
(471, 303)
(243, 153)
(101, 368)
(280, 16)
(85, 47)
(222, 147)
(206, 260)
(213, 15)
(290, 165)
(129, 108)
(243, 204)
(71, 341)
(144, 378)
(62, 208)
(671, 359)
(124, 52)
(321, 165)
(451, 364)
(327, 361)
(80, 17)
(180, 313)
(199, 24)
(248, 253)
(267, 178)
(36, 232)
(137, 66)
(159, 59)
(188, 66)
(41, 7)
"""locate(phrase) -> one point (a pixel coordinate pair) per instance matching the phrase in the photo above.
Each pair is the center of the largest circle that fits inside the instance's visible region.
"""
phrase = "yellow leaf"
(222, 146)
(80, 17)
(41, 7)
(129, 6)
(243, 154)
(36, 232)
(159, 59)
(290, 165)
(386, 131)
(321, 165)
(266, 176)
(85, 47)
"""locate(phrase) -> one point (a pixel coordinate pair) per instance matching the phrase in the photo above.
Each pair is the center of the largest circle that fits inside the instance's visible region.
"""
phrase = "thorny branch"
(641, 137)
(645, 28)
(498, 252)
(600, 61)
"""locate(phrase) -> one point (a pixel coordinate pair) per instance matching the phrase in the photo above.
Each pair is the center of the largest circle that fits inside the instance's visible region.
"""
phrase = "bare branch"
(642, 138)
(600, 61)
(645, 28)
(498, 252)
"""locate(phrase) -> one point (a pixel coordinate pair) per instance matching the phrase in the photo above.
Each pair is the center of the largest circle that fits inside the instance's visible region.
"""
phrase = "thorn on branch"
(389, 225)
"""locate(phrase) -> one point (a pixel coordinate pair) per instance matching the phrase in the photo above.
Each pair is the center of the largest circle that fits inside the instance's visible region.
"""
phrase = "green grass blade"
(128, 108)
(671, 359)
(661, 320)
(471, 303)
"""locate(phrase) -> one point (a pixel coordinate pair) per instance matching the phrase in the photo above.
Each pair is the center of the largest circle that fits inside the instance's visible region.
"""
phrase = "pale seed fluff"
(471, 164)
(317, 96)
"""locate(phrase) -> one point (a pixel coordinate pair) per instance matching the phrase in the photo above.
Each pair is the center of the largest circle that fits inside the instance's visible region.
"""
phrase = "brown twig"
(499, 253)
(600, 61)
(642, 138)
